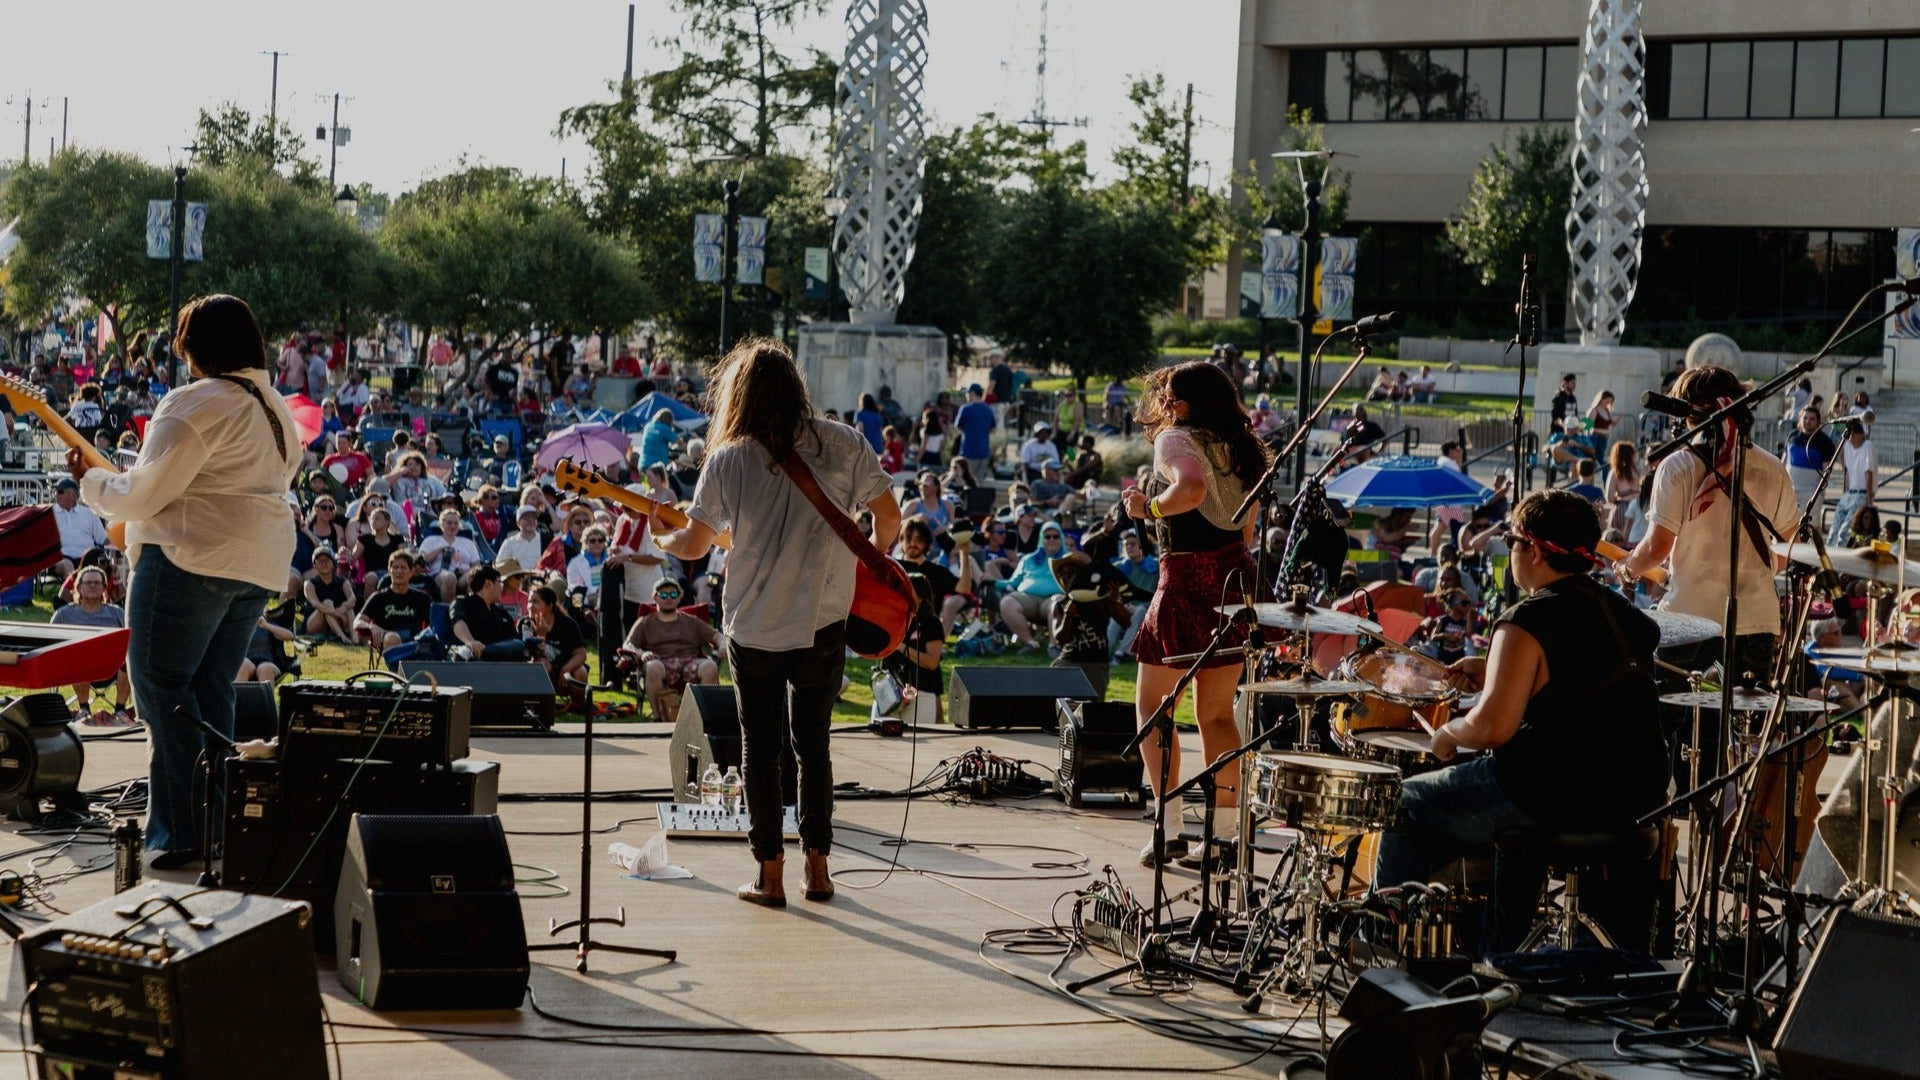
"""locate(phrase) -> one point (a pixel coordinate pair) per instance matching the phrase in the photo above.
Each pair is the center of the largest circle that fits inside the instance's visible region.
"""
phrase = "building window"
(1561, 82)
(1727, 79)
(1862, 65)
(1687, 82)
(1772, 94)
(1337, 102)
(1522, 92)
(1485, 70)
(1367, 72)
(1816, 77)
(1446, 84)
(1903, 77)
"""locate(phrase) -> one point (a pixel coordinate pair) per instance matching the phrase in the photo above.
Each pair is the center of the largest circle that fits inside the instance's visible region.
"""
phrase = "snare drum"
(1325, 793)
(1409, 751)
(1403, 683)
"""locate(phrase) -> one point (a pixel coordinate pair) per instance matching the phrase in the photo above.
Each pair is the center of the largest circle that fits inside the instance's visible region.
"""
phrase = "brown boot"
(819, 884)
(769, 888)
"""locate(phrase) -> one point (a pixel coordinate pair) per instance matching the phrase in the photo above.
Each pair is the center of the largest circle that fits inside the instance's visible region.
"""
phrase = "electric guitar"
(1616, 553)
(883, 600)
(24, 397)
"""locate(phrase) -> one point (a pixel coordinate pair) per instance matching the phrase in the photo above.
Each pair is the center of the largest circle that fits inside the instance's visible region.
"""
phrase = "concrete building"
(1779, 150)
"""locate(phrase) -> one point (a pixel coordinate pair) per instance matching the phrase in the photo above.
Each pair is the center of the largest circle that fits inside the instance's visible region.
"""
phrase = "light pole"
(176, 255)
(731, 251)
(347, 205)
(1309, 256)
(836, 207)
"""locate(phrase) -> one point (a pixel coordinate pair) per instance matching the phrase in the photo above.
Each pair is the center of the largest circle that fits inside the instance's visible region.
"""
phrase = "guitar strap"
(843, 527)
(273, 418)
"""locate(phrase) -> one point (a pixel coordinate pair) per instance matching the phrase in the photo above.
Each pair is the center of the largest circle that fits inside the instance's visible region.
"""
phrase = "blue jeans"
(1850, 504)
(188, 634)
(1444, 815)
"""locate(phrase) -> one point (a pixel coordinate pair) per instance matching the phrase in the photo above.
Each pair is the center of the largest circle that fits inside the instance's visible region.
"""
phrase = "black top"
(374, 552)
(1590, 753)
(391, 610)
(939, 578)
(1565, 406)
(332, 592)
(563, 639)
(925, 627)
(488, 623)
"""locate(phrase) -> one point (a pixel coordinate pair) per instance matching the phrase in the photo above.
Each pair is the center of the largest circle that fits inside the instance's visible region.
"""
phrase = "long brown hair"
(1213, 408)
(758, 395)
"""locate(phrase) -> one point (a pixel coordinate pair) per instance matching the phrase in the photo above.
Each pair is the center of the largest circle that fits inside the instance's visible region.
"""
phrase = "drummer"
(1567, 679)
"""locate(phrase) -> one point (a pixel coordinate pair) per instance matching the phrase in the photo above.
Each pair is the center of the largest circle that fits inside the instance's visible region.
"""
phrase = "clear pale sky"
(424, 83)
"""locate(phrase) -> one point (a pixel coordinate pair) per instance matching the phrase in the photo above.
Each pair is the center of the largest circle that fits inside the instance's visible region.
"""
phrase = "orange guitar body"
(24, 397)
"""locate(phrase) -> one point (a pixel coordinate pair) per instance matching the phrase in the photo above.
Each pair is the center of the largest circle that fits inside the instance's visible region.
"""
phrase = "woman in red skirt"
(1205, 458)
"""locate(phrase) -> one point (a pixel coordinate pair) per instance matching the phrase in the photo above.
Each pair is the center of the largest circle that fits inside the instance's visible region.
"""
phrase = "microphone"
(1374, 324)
(1911, 286)
(1669, 405)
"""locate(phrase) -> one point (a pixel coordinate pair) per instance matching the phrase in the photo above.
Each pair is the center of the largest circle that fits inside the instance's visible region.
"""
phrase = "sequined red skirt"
(1181, 619)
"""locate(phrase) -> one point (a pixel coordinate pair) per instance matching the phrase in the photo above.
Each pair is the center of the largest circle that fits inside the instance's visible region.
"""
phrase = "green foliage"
(231, 136)
(1158, 163)
(83, 234)
(1074, 275)
(733, 90)
(1518, 203)
(1281, 195)
(482, 250)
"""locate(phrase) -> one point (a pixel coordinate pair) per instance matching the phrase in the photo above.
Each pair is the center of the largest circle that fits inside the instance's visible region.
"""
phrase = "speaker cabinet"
(1094, 759)
(505, 695)
(707, 731)
(255, 716)
(284, 836)
(1838, 1025)
(982, 697)
(425, 915)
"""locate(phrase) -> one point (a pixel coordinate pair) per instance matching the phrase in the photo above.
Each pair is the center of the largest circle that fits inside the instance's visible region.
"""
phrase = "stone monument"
(874, 200)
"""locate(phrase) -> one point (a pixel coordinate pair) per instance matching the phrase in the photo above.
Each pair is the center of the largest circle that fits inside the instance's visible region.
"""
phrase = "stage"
(891, 980)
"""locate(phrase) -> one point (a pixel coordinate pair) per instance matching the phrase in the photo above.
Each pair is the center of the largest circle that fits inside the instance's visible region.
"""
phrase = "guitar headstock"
(16, 388)
(570, 476)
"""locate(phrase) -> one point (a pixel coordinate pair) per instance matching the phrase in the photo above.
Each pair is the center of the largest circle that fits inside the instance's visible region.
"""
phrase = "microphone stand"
(1526, 333)
(209, 878)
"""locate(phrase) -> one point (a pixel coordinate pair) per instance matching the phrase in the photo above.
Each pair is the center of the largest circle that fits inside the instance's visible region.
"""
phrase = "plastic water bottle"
(733, 790)
(712, 790)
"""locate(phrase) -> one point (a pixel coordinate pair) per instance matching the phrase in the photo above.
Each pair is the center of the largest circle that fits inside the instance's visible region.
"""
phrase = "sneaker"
(1176, 849)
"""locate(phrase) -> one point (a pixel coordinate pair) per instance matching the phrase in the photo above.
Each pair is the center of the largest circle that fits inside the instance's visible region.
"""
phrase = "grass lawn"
(334, 661)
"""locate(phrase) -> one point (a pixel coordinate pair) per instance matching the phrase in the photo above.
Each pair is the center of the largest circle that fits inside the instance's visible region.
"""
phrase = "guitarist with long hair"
(789, 586)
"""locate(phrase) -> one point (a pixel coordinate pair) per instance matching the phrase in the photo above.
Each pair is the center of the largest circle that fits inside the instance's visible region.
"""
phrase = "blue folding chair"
(508, 426)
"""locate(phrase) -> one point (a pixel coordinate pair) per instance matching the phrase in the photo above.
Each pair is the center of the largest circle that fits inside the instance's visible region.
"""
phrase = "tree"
(230, 135)
(1280, 193)
(82, 228)
(1159, 163)
(1518, 204)
(1074, 275)
(734, 91)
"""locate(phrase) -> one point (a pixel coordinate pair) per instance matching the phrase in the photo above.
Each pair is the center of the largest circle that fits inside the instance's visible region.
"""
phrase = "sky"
(424, 83)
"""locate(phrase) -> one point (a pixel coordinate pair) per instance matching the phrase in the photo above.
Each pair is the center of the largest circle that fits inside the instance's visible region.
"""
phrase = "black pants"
(782, 696)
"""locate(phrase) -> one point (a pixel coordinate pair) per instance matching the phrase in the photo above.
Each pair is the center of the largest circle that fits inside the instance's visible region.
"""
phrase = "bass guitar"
(580, 480)
(26, 398)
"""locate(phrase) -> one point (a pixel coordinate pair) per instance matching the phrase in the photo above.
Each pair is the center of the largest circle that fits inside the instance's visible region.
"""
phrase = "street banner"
(1337, 258)
(160, 230)
(709, 254)
(817, 273)
(1279, 275)
(753, 251)
(1906, 267)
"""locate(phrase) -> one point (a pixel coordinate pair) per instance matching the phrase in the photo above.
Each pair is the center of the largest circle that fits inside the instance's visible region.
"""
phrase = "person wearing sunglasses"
(669, 649)
(1570, 670)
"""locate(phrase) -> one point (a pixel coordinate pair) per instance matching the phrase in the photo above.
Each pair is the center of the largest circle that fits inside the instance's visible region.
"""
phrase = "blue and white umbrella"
(1416, 482)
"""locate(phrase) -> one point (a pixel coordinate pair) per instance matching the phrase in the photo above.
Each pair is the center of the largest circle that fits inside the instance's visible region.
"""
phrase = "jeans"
(188, 634)
(1842, 526)
(786, 696)
(1444, 815)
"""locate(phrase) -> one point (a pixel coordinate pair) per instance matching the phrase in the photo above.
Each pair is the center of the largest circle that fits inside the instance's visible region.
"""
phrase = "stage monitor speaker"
(982, 697)
(707, 731)
(425, 916)
(280, 814)
(1836, 1025)
(222, 987)
(255, 716)
(1399, 1027)
(505, 695)
(1093, 736)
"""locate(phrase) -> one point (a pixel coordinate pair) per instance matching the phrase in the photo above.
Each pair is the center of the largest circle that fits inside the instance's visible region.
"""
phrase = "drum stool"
(1627, 854)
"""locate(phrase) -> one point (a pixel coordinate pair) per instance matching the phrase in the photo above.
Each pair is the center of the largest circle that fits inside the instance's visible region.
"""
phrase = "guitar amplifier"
(287, 823)
(411, 725)
(220, 986)
(1094, 759)
(505, 695)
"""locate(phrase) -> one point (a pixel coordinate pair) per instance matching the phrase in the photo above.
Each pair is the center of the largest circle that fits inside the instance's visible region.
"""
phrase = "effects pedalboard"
(705, 821)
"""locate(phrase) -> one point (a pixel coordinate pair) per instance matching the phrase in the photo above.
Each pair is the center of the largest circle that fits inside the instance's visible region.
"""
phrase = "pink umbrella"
(592, 444)
(306, 416)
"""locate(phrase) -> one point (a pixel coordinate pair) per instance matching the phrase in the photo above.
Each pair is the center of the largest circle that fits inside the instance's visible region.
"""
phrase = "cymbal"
(1314, 620)
(1867, 563)
(1744, 700)
(1677, 628)
(1302, 687)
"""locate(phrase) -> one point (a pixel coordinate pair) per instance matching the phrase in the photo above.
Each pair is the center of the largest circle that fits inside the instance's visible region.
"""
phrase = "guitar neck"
(669, 514)
(31, 403)
(1615, 553)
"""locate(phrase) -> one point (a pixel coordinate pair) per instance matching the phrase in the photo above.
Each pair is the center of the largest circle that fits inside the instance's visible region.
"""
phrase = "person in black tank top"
(1568, 729)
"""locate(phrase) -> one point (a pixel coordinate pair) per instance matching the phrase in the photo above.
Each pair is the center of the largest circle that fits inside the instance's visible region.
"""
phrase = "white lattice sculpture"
(877, 153)
(1609, 171)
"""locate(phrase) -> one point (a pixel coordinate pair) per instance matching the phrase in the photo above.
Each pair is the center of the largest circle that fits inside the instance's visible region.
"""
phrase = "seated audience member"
(348, 463)
(524, 543)
(1032, 587)
(1049, 490)
(267, 651)
(329, 596)
(560, 648)
(90, 608)
(447, 556)
(671, 649)
(107, 559)
(1083, 618)
(80, 527)
(916, 545)
(585, 569)
(514, 580)
(484, 628)
(398, 613)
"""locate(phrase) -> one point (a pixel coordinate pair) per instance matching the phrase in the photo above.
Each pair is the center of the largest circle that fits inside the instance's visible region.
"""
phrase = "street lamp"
(836, 207)
(347, 204)
(1309, 255)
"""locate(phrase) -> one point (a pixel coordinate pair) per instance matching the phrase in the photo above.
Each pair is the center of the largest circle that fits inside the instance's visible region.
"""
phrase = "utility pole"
(26, 147)
(1186, 150)
(626, 81)
(273, 104)
(175, 257)
(63, 124)
(333, 144)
